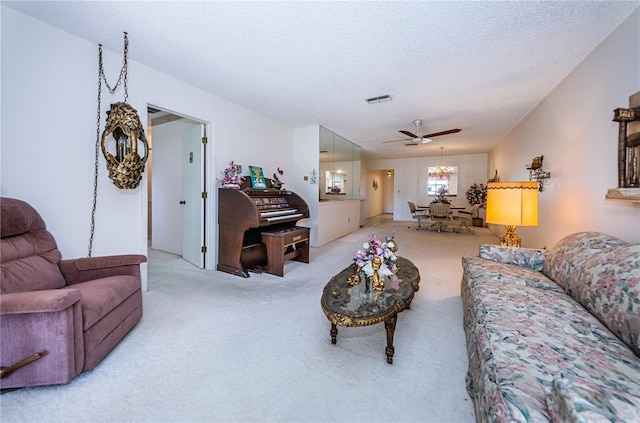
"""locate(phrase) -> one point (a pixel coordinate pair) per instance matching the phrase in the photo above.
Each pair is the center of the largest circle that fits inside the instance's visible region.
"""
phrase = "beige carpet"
(213, 347)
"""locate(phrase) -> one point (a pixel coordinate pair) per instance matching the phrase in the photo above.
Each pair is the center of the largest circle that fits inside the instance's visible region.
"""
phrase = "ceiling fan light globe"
(426, 140)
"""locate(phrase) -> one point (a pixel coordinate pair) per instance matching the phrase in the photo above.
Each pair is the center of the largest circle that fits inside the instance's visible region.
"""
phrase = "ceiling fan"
(417, 139)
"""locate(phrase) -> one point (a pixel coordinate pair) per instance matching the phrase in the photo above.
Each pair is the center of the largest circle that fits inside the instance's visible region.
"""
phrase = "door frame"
(207, 170)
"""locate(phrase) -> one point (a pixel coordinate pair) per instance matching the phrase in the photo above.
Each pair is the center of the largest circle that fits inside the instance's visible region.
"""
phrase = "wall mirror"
(339, 167)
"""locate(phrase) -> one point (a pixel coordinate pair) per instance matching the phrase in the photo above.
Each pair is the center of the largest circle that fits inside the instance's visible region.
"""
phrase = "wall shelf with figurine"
(628, 152)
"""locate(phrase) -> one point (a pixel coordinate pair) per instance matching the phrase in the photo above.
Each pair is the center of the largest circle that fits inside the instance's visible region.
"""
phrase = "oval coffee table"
(355, 306)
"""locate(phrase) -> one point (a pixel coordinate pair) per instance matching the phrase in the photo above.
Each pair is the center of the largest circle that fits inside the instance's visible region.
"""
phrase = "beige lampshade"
(512, 203)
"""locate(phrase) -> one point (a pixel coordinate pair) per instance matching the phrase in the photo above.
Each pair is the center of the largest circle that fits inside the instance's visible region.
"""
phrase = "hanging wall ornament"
(123, 123)
(126, 167)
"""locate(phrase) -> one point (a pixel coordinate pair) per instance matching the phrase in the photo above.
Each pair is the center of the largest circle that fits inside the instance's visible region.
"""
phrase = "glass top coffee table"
(358, 305)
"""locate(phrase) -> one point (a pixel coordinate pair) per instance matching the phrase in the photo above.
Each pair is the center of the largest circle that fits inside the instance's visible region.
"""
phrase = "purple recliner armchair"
(58, 318)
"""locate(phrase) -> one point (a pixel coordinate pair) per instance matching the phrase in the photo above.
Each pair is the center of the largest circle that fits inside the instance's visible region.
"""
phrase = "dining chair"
(466, 218)
(440, 213)
(417, 214)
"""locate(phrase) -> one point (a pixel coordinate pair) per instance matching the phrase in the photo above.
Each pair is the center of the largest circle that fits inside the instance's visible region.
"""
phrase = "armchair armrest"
(461, 214)
(531, 258)
(46, 301)
(85, 269)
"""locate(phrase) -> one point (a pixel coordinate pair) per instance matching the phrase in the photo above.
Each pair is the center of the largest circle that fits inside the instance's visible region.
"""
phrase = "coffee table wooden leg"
(334, 333)
(390, 326)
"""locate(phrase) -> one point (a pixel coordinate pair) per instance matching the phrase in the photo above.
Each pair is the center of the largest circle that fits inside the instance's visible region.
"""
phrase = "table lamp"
(512, 204)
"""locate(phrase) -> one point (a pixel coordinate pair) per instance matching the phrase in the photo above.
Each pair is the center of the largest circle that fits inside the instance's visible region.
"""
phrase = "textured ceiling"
(479, 66)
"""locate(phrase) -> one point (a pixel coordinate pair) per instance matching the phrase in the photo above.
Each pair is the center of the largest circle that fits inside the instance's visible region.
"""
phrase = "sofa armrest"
(524, 257)
(46, 301)
(86, 269)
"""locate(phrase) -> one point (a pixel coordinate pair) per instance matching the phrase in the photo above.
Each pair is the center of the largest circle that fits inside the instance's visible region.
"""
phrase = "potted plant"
(276, 182)
(442, 192)
(477, 194)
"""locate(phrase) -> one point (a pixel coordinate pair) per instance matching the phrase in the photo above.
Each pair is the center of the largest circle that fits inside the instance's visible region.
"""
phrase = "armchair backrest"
(29, 255)
(474, 210)
(412, 207)
(439, 210)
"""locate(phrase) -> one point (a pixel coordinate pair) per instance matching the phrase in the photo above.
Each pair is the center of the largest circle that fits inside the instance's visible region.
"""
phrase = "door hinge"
(203, 249)
(204, 140)
(204, 194)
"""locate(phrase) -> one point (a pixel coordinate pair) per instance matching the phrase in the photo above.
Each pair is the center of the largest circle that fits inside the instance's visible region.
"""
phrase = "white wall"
(307, 157)
(388, 192)
(48, 130)
(410, 179)
(572, 127)
(336, 219)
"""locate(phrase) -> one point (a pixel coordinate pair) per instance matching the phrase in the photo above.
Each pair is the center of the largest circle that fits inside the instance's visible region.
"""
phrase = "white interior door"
(192, 188)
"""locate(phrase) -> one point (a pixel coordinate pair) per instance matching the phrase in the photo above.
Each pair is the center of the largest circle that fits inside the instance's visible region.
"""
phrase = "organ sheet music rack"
(245, 214)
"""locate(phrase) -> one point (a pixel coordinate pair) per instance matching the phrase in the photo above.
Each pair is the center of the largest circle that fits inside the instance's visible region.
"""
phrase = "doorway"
(176, 183)
(379, 197)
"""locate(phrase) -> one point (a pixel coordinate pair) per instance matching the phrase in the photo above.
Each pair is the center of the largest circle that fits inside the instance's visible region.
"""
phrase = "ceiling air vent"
(378, 99)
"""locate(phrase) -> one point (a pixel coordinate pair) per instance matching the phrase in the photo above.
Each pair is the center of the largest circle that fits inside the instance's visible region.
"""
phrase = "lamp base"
(510, 239)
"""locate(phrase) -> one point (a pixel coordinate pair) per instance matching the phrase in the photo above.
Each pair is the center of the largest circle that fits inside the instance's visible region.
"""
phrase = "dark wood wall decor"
(628, 152)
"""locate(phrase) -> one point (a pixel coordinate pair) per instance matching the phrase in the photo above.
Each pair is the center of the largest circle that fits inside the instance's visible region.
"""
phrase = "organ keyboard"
(257, 229)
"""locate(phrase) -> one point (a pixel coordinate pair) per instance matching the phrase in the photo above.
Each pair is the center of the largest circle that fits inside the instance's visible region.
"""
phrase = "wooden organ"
(257, 229)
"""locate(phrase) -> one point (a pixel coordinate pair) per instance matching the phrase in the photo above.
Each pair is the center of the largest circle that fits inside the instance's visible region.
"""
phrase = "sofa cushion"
(522, 338)
(523, 257)
(608, 285)
(576, 400)
(29, 255)
(101, 296)
(18, 218)
(478, 269)
(564, 260)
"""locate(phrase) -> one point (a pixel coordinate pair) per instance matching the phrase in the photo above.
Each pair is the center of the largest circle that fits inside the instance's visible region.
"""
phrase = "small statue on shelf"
(377, 284)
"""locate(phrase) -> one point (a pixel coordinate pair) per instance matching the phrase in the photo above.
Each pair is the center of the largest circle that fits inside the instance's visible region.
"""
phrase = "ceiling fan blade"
(407, 139)
(437, 134)
(409, 134)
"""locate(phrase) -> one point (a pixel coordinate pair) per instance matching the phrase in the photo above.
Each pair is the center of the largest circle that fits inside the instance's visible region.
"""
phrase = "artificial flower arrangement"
(477, 194)
(231, 175)
(276, 182)
(442, 191)
(376, 248)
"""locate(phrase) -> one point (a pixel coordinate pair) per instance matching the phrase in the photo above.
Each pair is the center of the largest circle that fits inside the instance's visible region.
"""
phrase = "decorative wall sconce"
(536, 173)
(375, 184)
(126, 166)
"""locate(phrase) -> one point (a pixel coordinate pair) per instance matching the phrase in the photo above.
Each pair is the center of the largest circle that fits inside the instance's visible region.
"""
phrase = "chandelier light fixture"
(441, 170)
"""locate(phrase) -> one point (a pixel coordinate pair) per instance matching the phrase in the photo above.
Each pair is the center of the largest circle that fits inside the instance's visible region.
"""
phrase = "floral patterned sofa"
(554, 335)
